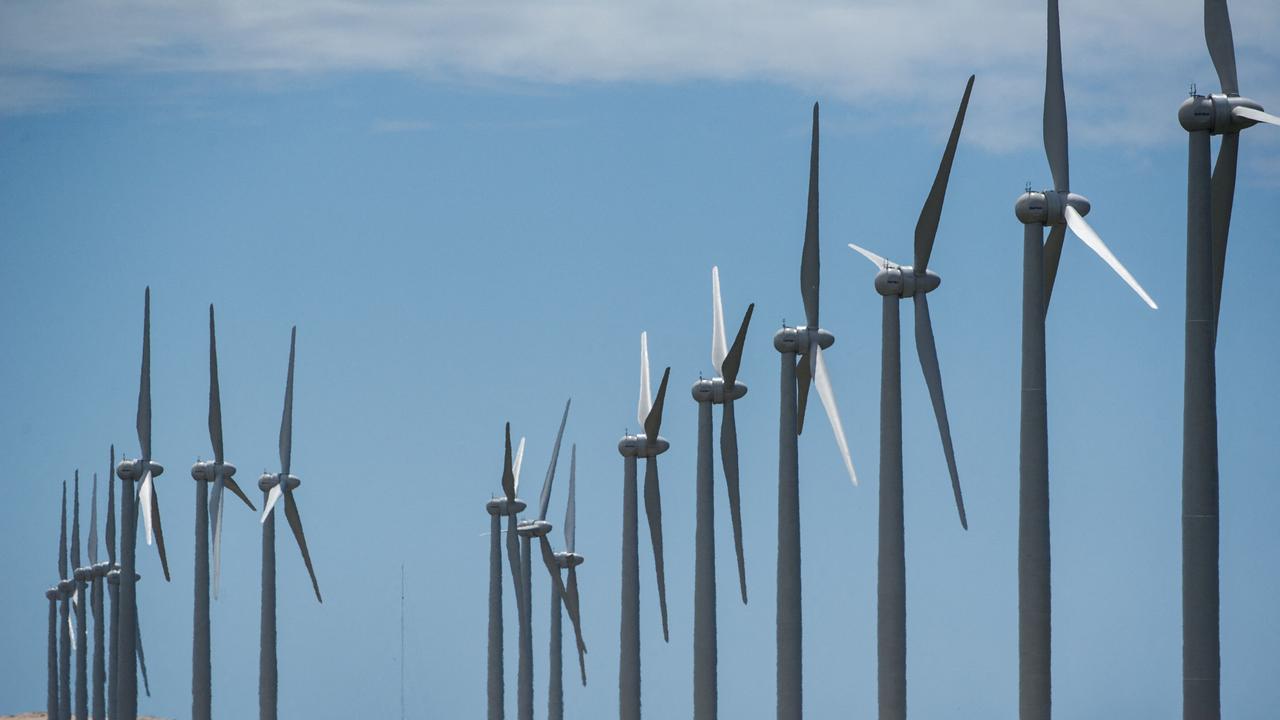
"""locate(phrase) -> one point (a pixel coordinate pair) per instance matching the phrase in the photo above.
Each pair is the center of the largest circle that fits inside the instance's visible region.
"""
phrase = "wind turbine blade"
(273, 496)
(513, 560)
(719, 347)
(75, 526)
(931, 213)
(155, 521)
(93, 522)
(653, 422)
(1255, 115)
(62, 537)
(508, 474)
(71, 624)
(515, 468)
(235, 488)
(144, 382)
(545, 500)
(1217, 35)
(144, 498)
(1055, 107)
(822, 381)
(928, 352)
(1052, 256)
(809, 261)
(215, 526)
(573, 597)
(653, 511)
(295, 524)
(1090, 238)
(646, 401)
(1221, 196)
(804, 377)
(875, 259)
(286, 420)
(215, 396)
(570, 602)
(111, 508)
(733, 361)
(571, 509)
(142, 659)
(729, 458)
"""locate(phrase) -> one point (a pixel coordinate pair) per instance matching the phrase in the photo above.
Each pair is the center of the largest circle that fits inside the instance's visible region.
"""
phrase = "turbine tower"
(144, 470)
(649, 446)
(209, 517)
(66, 586)
(807, 342)
(507, 506)
(721, 390)
(98, 572)
(1058, 209)
(897, 282)
(527, 531)
(80, 630)
(1209, 201)
(51, 700)
(274, 487)
(567, 560)
(113, 591)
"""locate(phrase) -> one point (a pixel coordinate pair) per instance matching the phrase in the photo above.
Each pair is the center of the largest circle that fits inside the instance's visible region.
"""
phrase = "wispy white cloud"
(1127, 63)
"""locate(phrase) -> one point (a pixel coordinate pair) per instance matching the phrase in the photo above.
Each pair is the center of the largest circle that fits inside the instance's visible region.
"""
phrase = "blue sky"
(470, 215)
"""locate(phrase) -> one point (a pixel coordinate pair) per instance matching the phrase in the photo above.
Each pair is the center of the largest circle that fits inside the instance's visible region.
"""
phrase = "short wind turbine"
(80, 631)
(1209, 201)
(98, 573)
(53, 709)
(66, 587)
(567, 560)
(275, 487)
(897, 282)
(723, 390)
(1058, 209)
(507, 506)
(649, 446)
(801, 349)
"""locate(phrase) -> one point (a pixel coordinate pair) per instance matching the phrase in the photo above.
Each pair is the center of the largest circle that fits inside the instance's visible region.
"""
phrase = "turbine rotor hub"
(1048, 207)
(533, 528)
(52, 593)
(906, 282)
(206, 471)
(82, 574)
(270, 480)
(714, 391)
(638, 446)
(130, 470)
(501, 506)
(800, 339)
(568, 560)
(66, 587)
(1214, 113)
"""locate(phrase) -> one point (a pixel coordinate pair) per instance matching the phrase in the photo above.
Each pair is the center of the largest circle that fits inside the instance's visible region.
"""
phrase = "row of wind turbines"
(801, 348)
(117, 648)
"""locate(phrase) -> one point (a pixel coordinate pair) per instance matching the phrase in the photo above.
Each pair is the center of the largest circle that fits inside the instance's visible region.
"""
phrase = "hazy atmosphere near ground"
(471, 213)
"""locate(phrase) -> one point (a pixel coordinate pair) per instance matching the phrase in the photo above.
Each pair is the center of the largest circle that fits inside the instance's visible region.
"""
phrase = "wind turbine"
(98, 572)
(649, 446)
(51, 699)
(1209, 201)
(1058, 209)
(145, 471)
(896, 282)
(568, 560)
(209, 515)
(113, 591)
(274, 487)
(507, 506)
(527, 531)
(807, 342)
(722, 390)
(80, 631)
(66, 587)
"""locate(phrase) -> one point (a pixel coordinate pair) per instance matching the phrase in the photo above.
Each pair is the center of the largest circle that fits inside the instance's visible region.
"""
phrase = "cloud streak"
(1127, 64)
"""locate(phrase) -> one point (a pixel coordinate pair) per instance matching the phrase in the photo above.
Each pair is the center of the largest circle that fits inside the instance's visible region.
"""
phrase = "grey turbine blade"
(111, 508)
(1222, 195)
(933, 378)
(142, 659)
(513, 560)
(235, 488)
(931, 213)
(1052, 256)
(159, 531)
(144, 383)
(508, 474)
(62, 538)
(571, 509)
(1217, 35)
(729, 457)
(1055, 107)
(295, 523)
(215, 396)
(653, 423)
(809, 262)
(286, 420)
(733, 358)
(93, 522)
(804, 377)
(571, 595)
(653, 510)
(549, 559)
(545, 500)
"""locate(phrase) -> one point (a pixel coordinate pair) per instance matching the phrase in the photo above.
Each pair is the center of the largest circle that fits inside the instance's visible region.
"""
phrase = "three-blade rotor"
(149, 502)
(727, 361)
(650, 417)
(220, 479)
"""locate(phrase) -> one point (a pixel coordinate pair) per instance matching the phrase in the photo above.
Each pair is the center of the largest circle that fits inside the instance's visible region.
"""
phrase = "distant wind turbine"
(66, 586)
(568, 560)
(507, 506)
(98, 572)
(80, 576)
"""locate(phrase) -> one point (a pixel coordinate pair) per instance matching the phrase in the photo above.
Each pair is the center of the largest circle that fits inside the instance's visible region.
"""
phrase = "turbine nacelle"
(905, 281)
(205, 471)
(713, 391)
(502, 507)
(533, 528)
(83, 574)
(102, 569)
(800, 339)
(52, 593)
(1216, 113)
(131, 470)
(568, 560)
(1048, 207)
(66, 587)
(638, 446)
(270, 480)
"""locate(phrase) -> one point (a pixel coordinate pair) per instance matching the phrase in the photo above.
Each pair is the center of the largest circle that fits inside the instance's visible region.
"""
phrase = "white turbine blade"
(719, 347)
(1256, 115)
(515, 466)
(1082, 230)
(822, 381)
(646, 400)
(71, 630)
(215, 509)
(874, 258)
(144, 499)
(272, 498)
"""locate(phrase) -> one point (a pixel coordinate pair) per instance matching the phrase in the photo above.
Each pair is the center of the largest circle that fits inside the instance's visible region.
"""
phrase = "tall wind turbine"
(1058, 209)
(98, 572)
(80, 577)
(113, 591)
(274, 487)
(1209, 201)
(507, 506)
(66, 587)
(51, 699)
(567, 560)
(209, 516)
(527, 531)
(807, 342)
(649, 446)
(144, 470)
(723, 389)
(896, 282)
